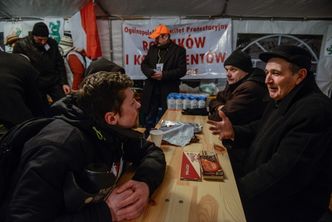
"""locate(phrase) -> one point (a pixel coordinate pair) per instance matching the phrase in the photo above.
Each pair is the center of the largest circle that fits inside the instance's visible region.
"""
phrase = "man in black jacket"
(285, 175)
(163, 67)
(245, 96)
(44, 55)
(19, 96)
(68, 170)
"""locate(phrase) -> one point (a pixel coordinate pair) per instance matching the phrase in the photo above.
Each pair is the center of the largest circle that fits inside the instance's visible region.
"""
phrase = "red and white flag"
(83, 27)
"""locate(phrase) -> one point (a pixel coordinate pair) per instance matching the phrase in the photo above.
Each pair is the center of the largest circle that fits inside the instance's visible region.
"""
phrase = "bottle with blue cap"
(178, 102)
(186, 101)
(171, 101)
(201, 101)
(193, 102)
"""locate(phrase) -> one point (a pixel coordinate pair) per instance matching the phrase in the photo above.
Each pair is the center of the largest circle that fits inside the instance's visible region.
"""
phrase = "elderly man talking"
(284, 176)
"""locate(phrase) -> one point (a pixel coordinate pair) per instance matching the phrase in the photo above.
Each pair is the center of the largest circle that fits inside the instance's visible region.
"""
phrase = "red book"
(211, 168)
(190, 166)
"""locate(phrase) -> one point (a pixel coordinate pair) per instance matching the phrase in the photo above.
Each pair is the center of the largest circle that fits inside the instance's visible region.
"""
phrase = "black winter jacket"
(175, 66)
(68, 145)
(49, 63)
(285, 175)
(20, 99)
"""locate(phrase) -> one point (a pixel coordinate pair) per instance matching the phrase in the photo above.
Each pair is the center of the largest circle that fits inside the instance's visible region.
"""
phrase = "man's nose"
(138, 104)
(268, 78)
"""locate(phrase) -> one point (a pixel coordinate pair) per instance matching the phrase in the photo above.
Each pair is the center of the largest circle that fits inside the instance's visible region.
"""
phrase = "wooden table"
(207, 201)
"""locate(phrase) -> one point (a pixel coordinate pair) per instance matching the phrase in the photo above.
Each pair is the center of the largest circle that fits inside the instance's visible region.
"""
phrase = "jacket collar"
(235, 85)
(109, 133)
(170, 46)
(308, 85)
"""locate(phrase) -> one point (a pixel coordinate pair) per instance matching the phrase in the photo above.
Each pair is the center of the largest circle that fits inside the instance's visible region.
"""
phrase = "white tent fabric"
(256, 16)
(324, 66)
(308, 9)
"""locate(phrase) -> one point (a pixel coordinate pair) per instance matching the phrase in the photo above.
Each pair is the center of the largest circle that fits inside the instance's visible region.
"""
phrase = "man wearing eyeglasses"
(44, 55)
(163, 66)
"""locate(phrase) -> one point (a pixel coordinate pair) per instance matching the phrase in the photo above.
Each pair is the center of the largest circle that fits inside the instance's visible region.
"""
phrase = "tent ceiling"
(39, 8)
(296, 9)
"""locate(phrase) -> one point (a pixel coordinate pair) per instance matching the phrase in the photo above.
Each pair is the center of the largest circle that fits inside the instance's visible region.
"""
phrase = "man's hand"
(157, 75)
(66, 89)
(223, 128)
(128, 201)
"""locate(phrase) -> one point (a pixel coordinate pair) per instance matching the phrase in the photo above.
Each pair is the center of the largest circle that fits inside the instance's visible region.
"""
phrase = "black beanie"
(40, 29)
(240, 60)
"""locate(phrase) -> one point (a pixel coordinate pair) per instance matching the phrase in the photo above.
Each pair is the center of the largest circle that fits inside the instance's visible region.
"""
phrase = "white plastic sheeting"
(271, 12)
(130, 9)
(324, 66)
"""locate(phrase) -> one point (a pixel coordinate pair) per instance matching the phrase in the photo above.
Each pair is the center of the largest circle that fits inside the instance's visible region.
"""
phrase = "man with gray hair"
(285, 175)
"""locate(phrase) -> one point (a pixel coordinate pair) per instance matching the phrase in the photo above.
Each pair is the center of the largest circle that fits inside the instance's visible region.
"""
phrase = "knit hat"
(293, 54)
(11, 39)
(240, 60)
(159, 30)
(40, 29)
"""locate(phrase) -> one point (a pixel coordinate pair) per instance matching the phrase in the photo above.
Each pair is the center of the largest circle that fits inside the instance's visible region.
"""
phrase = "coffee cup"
(156, 136)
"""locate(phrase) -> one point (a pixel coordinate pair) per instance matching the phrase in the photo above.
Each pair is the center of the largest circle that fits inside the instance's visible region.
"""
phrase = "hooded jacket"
(243, 101)
(67, 146)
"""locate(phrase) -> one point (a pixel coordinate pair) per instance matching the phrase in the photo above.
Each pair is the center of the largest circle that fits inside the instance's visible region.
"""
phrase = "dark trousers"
(154, 114)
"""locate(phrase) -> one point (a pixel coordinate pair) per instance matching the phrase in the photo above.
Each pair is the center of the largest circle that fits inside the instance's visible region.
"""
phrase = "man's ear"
(111, 118)
(302, 73)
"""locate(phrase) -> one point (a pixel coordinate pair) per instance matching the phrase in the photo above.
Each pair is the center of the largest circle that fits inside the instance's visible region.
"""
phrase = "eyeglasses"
(162, 36)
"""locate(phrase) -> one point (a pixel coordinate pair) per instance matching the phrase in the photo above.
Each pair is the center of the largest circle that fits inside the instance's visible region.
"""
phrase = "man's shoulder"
(52, 42)
(52, 132)
(316, 98)
(67, 138)
(250, 85)
(23, 42)
(313, 105)
(177, 47)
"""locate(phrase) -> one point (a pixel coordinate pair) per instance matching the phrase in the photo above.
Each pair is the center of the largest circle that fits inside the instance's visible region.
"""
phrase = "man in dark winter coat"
(44, 55)
(163, 66)
(68, 170)
(285, 174)
(245, 96)
(19, 96)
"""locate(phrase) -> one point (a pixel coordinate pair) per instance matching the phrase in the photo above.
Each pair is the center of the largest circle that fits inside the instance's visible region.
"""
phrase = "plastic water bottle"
(201, 101)
(178, 102)
(193, 102)
(186, 102)
(171, 101)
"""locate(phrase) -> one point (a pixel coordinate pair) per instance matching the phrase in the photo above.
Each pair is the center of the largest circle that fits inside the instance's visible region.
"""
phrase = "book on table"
(211, 168)
(190, 166)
